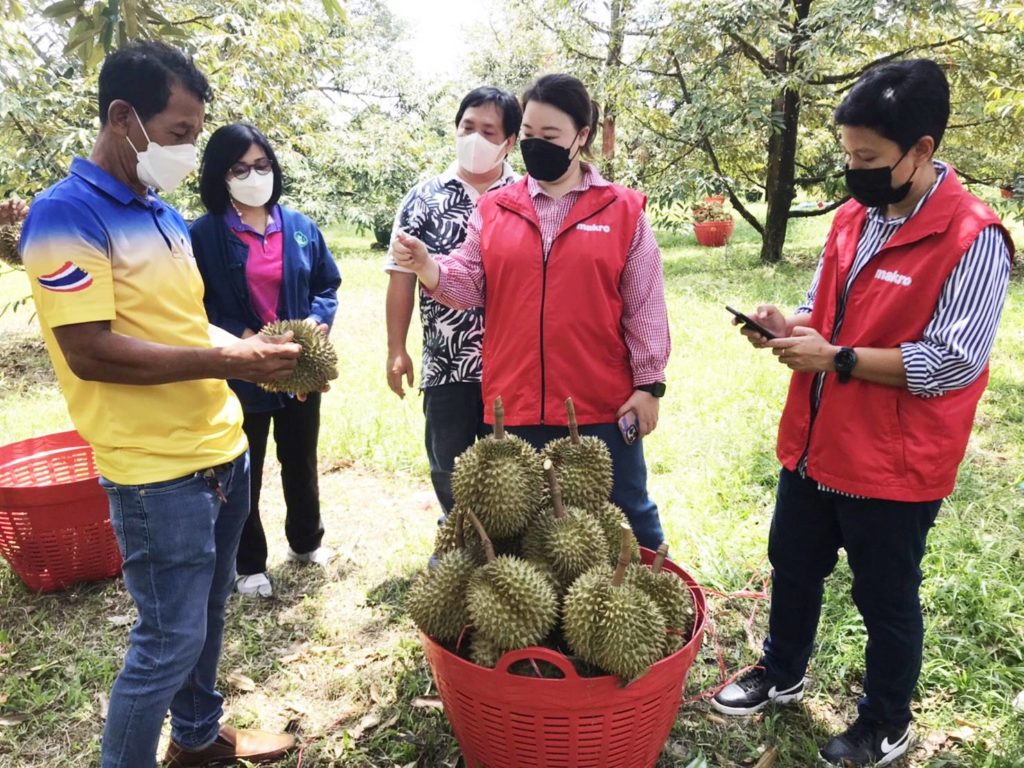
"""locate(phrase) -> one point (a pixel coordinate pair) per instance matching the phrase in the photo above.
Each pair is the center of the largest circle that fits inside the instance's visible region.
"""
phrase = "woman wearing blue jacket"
(263, 262)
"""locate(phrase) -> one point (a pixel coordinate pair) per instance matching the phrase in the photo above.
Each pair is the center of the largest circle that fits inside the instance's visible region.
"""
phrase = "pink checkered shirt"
(644, 317)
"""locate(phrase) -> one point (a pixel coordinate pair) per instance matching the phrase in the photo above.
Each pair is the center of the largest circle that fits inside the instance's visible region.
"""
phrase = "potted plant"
(712, 224)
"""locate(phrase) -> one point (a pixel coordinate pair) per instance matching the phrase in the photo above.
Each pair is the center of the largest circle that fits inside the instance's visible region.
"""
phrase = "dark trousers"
(296, 431)
(884, 543)
(455, 419)
(629, 475)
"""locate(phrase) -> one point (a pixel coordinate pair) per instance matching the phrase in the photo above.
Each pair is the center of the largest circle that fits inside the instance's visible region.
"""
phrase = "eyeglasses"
(240, 171)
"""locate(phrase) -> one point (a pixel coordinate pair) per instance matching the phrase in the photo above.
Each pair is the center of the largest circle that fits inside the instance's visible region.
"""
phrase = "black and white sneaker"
(867, 743)
(753, 692)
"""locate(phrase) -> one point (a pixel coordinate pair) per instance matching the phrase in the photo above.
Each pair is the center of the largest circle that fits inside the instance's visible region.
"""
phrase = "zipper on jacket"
(545, 246)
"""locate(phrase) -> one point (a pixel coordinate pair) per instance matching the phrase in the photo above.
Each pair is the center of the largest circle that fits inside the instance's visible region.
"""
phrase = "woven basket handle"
(537, 653)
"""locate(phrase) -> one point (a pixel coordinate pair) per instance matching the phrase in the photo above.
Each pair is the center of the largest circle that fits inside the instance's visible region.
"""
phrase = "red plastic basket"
(503, 720)
(54, 516)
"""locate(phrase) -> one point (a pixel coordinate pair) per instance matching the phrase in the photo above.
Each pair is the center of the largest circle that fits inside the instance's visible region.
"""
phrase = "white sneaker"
(254, 585)
(319, 556)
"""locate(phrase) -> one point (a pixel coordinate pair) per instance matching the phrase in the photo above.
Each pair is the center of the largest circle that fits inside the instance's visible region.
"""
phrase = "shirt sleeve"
(405, 221)
(324, 282)
(65, 250)
(957, 341)
(812, 292)
(462, 284)
(644, 315)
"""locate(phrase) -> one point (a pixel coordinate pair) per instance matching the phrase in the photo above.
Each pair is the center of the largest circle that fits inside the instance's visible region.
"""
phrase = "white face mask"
(476, 154)
(164, 168)
(254, 190)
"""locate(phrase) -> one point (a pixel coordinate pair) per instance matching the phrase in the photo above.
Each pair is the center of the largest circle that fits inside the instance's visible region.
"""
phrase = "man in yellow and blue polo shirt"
(119, 299)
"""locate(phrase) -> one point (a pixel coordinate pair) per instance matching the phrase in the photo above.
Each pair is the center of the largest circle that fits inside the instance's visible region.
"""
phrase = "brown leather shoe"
(231, 745)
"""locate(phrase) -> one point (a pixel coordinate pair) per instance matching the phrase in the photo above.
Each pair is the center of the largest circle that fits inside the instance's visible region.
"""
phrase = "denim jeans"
(629, 475)
(455, 419)
(884, 542)
(178, 539)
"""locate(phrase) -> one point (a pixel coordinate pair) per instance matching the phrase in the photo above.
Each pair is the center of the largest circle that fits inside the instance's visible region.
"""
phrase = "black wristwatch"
(845, 361)
(657, 388)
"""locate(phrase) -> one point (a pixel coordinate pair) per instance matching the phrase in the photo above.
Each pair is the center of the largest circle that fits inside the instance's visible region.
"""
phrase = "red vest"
(870, 439)
(554, 330)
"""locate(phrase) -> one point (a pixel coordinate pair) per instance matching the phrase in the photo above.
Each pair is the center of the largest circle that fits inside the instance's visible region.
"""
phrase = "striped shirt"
(644, 316)
(956, 344)
(957, 341)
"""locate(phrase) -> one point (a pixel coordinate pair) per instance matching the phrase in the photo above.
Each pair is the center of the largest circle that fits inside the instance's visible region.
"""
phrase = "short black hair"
(568, 94)
(227, 146)
(902, 101)
(142, 74)
(511, 112)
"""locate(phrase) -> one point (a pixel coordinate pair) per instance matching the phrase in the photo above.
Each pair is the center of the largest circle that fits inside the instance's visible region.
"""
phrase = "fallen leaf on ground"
(120, 621)
(768, 758)
(16, 718)
(242, 682)
(428, 702)
(371, 720)
(102, 702)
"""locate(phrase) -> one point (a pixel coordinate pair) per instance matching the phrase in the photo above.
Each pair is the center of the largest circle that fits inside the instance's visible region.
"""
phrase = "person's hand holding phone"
(641, 411)
(769, 317)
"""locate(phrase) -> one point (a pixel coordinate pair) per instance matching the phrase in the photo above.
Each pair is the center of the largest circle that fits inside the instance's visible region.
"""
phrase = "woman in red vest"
(890, 356)
(568, 270)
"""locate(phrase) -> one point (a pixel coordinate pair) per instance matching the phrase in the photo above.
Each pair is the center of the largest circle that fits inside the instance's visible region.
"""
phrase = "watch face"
(845, 359)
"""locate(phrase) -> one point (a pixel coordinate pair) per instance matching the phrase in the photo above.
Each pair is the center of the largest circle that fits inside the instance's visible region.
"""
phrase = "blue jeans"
(629, 475)
(178, 539)
(455, 419)
(884, 542)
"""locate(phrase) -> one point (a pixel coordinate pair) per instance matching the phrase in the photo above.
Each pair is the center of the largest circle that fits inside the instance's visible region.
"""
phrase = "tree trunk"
(616, 37)
(779, 188)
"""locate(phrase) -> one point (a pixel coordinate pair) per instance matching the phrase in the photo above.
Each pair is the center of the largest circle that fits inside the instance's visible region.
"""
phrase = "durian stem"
(556, 492)
(460, 535)
(488, 546)
(659, 559)
(574, 430)
(624, 553)
(499, 419)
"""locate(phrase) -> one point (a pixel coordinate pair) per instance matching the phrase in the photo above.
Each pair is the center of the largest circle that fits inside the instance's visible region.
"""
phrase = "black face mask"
(872, 187)
(545, 161)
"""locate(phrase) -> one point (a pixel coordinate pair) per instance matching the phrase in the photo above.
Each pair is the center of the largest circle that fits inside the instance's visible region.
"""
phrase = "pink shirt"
(644, 317)
(264, 267)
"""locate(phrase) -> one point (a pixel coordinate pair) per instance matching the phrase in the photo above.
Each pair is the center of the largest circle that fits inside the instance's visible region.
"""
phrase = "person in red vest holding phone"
(569, 274)
(890, 356)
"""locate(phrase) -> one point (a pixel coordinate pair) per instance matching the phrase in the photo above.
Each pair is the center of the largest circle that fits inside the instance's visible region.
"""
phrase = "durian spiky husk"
(483, 651)
(569, 545)
(618, 628)
(9, 236)
(512, 603)
(317, 365)
(437, 599)
(611, 518)
(673, 599)
(584, 470)
(502, 481)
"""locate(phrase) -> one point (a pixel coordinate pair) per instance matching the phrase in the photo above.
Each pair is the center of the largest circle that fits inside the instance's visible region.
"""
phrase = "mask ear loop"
(148, 140)
(580, 149)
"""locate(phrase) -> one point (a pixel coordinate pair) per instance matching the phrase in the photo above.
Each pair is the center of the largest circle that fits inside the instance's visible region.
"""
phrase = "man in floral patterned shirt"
(436, 212)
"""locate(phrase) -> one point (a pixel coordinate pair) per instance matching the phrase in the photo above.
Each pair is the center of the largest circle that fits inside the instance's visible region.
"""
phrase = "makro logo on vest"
(894, 277)
(594, 228)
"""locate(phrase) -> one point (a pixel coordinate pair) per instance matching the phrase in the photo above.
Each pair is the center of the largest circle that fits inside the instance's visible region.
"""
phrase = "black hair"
(227, 146)
(511, 112)
(568, 94)
(142, 74)
(903, 101)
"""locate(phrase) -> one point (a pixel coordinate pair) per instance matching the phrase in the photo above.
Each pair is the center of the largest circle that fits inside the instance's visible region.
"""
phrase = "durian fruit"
(568, 540)
(583, 466)
(670, 594)
(611, 519)
(483, 651)
(445, 538)
(317, 365)
(9, 236)
(437, 599)
(511, 602)
(613, 624)
(501, 480)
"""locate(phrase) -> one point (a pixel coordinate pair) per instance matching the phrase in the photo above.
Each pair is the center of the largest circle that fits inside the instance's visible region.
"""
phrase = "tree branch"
(748, 50)
(817, 211)
(848, 76)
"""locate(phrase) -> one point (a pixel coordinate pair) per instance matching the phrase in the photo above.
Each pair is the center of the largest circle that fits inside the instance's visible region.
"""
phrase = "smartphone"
(746, 322)
(629, 426)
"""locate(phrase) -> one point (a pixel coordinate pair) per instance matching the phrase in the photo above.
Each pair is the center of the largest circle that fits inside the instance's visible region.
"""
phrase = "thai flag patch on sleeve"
(69, 278)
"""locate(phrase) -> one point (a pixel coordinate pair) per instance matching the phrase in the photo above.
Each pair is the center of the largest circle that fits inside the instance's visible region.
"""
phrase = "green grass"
(337, 647)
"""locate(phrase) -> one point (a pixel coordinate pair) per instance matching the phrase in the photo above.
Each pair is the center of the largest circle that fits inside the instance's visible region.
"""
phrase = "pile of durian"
(9, 236)
(535, 554)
